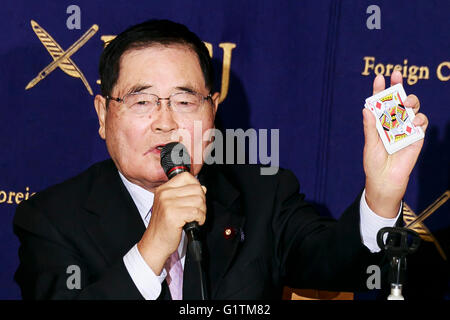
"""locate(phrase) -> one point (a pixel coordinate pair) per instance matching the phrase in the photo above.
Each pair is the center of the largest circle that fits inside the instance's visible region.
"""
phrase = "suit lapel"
(112, 219)
(223, 212)
(165, 292)
(114, 224)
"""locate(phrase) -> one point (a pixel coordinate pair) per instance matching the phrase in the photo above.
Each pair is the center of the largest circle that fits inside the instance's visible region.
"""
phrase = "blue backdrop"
(303, 67)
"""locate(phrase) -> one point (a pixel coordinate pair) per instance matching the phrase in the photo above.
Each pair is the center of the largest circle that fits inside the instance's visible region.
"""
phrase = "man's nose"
(163, 120)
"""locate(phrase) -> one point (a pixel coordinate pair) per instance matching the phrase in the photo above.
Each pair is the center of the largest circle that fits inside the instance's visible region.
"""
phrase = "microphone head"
(175, 159)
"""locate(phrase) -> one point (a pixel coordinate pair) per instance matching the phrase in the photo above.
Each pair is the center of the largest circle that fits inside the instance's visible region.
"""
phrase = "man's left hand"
(387, 175)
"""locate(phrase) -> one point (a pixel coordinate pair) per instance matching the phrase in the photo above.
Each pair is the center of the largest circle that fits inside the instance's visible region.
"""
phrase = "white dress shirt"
(149, 284)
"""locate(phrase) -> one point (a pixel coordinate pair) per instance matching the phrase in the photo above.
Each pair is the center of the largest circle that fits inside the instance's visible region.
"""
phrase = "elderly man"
(120, 223)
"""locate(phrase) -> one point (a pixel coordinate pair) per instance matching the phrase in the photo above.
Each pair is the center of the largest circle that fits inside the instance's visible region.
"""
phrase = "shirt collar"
(141, 197)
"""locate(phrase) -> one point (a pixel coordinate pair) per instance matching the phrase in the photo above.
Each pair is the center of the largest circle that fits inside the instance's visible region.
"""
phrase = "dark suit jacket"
(91, 221)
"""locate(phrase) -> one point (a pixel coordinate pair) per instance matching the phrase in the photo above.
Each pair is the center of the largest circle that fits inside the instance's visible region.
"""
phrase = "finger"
(187, 190)
(164, 194)
(412, 102)
(396, 77)
(370, 130)
(179, 216)
(378, 84)
(204, 189)
(181, 196)
(421, 120)
(191, 214)
(190, 201)
(182, 179)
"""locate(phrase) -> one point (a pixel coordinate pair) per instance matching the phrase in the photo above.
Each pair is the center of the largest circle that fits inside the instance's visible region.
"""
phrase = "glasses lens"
(141, 103)
(185, 102)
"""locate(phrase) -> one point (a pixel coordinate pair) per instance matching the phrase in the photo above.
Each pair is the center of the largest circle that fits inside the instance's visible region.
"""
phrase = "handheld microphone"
(175, 159)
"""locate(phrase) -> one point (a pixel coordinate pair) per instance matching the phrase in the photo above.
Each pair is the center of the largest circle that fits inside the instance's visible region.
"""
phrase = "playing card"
(393, 120)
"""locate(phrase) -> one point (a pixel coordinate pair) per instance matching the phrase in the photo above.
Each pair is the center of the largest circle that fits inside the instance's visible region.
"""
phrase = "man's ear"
(215, 99)
(100, 107)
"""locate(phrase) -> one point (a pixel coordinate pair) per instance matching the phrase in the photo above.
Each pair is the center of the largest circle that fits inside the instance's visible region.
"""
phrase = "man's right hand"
(177, 202)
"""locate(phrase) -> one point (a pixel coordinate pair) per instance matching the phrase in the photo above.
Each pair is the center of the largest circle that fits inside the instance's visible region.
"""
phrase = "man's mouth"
(155, 150)
(158, 148)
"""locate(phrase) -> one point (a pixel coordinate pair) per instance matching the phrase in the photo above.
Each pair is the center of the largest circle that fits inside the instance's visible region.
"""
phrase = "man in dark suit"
(119, 224)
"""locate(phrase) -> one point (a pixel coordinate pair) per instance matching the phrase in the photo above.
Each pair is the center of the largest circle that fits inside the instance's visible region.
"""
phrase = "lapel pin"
(229, 233)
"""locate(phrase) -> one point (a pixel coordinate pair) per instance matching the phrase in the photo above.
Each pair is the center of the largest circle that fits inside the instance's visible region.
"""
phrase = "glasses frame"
(158, 102)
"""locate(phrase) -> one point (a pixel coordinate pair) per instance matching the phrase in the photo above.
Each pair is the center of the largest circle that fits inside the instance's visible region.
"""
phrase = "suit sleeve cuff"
(371, 223)
(147, 282)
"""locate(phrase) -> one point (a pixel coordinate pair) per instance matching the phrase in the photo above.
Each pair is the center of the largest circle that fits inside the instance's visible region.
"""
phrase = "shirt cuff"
(371, 223)
(147, 282)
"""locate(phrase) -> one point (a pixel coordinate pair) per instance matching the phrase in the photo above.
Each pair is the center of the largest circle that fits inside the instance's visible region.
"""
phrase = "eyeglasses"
(145, 103)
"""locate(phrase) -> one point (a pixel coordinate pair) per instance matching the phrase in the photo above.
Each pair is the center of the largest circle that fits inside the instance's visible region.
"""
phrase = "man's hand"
(387, 175)
(177, 202)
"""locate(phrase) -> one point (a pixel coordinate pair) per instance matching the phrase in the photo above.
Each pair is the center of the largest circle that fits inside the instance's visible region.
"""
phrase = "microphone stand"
(397, 248)
(195, 250)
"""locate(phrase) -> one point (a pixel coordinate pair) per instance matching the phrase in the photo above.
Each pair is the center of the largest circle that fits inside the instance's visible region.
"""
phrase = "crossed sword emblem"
(415, 222)
(60, 57)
